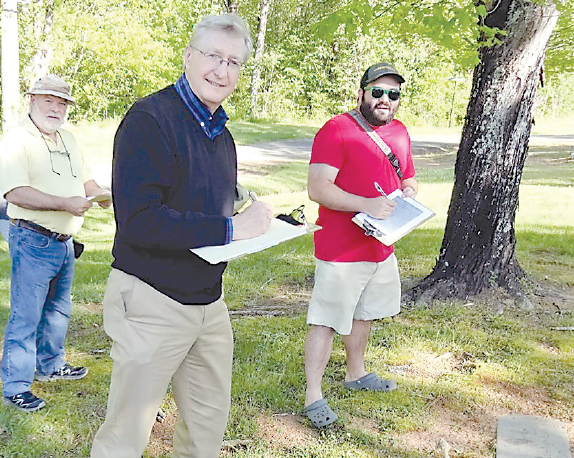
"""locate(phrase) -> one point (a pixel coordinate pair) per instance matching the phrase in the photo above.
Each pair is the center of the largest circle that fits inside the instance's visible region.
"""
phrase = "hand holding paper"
(99, 198)
(104, 199)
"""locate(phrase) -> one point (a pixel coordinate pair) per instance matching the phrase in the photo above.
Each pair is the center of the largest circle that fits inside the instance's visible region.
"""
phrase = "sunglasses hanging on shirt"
(65, 152)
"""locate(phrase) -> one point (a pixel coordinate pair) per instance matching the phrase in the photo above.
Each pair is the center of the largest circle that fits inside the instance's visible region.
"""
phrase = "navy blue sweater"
(173, 190)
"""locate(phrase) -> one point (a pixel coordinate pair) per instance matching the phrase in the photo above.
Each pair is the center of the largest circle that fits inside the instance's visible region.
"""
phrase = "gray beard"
(371, 117)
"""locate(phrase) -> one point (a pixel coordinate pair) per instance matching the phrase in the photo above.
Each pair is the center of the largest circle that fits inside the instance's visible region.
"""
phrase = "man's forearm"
(331, 196)
(33, 199)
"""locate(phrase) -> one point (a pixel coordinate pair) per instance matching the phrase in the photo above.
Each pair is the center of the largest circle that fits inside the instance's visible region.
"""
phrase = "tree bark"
(264, 8)
(10, 64)
(478, 248)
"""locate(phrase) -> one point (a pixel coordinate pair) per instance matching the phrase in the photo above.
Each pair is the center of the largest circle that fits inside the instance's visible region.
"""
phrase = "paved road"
(262, 153)
(289, 150)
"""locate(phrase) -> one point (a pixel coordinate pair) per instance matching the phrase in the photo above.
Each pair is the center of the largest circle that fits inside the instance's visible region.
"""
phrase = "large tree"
(478, 248)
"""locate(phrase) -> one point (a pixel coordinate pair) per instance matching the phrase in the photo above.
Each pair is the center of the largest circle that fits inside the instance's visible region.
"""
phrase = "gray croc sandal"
(371, 382)
(320, 414)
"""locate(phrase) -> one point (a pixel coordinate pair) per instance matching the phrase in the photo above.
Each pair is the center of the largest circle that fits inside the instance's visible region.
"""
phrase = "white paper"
(279, 231)
(99, 198)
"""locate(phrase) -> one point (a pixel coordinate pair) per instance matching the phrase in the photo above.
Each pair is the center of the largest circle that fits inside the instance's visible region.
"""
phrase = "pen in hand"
(378, 187)
(252, 196)
(385, 210)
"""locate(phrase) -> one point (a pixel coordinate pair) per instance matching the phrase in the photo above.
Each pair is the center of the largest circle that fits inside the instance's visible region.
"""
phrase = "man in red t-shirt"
(356, 276)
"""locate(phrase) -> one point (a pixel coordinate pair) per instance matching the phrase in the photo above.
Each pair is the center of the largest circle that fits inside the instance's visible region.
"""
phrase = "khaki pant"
(155, 340)
(347, 291)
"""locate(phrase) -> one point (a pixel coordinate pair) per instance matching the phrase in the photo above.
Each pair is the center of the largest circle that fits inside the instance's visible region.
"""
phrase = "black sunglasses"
(378, 92)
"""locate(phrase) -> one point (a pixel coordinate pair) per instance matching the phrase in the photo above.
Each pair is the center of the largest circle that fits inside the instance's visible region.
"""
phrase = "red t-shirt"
(343, 144)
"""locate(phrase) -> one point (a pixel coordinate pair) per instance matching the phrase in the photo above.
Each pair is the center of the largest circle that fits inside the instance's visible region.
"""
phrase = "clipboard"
(279, 231)
(407, 215)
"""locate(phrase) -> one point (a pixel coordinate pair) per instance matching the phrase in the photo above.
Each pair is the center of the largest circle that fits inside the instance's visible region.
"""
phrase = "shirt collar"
(211, 124)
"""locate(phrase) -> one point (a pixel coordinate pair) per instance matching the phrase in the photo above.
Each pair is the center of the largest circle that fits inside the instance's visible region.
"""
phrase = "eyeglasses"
(216, 60)
(59, 152)
(378, 92)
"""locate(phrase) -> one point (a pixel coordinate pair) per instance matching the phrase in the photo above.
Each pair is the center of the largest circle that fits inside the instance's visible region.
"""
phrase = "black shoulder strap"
(357, 116)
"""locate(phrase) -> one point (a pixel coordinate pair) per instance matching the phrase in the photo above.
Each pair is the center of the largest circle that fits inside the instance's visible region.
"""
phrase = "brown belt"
(40, 230)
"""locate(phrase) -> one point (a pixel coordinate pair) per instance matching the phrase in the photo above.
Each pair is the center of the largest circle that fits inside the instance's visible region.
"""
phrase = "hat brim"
(66, 97)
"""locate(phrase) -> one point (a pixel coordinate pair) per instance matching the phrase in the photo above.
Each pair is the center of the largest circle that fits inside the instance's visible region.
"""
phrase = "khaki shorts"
(347, 291)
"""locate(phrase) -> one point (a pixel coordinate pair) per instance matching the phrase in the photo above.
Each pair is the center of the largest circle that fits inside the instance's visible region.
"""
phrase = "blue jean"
(4, 228)
(40, 308)
(4, 220)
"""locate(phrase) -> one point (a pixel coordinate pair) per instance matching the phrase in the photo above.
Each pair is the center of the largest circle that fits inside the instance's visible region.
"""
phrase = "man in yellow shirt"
(45, 180)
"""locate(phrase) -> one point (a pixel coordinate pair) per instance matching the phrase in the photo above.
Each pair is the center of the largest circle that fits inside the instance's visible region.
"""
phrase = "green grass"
(459, 362)
(553, 126)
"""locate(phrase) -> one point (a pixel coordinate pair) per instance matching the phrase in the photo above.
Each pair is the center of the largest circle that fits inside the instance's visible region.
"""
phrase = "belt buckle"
(62, 237)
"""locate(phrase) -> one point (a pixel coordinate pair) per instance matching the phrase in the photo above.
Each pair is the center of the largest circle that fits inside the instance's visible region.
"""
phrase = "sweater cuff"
(229, 231)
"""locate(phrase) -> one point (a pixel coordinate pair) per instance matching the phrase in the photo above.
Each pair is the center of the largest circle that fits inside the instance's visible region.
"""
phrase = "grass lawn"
(460, 364)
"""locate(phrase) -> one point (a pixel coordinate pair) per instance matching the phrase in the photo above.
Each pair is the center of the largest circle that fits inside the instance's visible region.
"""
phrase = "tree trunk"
(478, 248)
(10, 64)
(231, 6)
(265, 6)
(40, 63)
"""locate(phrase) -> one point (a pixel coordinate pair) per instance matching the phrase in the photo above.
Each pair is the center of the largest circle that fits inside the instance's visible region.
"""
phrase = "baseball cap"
(52, 85)
(374, 72)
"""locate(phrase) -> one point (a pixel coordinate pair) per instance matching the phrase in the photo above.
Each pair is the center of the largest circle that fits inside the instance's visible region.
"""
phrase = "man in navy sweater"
(174, 181)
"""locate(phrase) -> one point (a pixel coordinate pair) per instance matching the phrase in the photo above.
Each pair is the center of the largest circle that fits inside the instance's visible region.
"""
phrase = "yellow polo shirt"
(28, 158)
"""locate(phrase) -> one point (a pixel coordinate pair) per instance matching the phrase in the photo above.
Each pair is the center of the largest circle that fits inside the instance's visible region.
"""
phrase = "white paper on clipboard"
(279, 231)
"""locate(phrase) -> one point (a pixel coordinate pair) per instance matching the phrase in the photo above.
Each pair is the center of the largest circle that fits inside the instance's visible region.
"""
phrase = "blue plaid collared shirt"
(212, 125)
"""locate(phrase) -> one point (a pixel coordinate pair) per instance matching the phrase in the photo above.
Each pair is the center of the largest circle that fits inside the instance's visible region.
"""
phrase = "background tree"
(114, 52)
(39, 64)
(265, 5)
(231, 6)
(10, 63)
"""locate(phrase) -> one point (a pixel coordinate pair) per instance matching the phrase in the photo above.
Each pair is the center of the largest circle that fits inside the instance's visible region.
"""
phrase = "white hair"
(228, 22)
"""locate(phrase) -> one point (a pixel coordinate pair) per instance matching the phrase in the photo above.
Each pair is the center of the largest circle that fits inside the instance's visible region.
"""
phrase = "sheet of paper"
(99, 198)
(279, 231)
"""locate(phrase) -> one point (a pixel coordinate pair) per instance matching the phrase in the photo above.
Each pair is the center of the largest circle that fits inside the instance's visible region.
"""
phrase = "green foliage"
(559, 56)
(316, 51)
(555, 100)
(114, 53)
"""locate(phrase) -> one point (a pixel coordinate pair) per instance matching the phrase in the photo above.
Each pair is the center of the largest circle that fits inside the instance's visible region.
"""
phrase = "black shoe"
(66, 372)
(26, 401)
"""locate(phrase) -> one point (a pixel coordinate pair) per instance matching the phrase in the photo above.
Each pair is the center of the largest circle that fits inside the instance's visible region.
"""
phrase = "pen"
(252, 196)
(378, 187)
